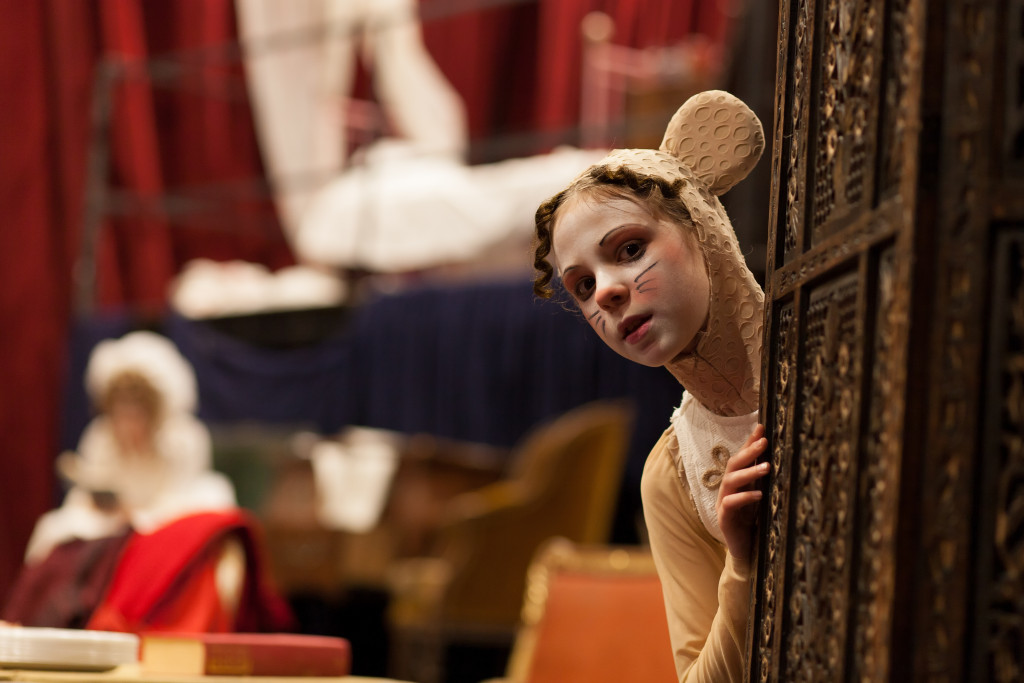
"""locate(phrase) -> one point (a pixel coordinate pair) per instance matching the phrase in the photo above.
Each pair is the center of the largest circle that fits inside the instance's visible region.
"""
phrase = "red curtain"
(186, 133)
(35, 246)
(180, 133)
(524, 72)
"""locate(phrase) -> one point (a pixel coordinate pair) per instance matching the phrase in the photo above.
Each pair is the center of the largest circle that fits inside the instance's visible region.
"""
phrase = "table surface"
(132, 674)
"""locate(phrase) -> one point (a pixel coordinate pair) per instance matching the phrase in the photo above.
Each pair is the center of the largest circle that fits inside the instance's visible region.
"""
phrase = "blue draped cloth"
(482, 363)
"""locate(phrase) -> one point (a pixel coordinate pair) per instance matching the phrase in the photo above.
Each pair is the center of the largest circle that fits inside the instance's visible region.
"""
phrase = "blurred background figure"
(142, 493)
(144, 460)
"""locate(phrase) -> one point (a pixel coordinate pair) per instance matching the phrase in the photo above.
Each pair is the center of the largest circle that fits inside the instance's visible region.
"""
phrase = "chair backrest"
(572, 466)
(592, 613)
(565, 481)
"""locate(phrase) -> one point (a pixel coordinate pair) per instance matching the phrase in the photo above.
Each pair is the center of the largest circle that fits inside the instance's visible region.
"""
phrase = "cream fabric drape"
(411, 202)
(300, 59)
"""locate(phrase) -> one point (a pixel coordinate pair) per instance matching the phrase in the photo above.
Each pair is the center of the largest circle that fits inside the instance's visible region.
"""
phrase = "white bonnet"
(154, 357)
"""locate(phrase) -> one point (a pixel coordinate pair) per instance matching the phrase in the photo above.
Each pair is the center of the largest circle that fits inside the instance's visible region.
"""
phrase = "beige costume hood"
(711, 143)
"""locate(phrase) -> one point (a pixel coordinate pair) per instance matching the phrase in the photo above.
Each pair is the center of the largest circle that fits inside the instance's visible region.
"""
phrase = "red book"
(244, 654)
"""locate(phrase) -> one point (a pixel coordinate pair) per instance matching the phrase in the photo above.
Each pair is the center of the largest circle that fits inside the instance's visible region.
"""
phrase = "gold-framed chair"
(564, 481)
(592, 613)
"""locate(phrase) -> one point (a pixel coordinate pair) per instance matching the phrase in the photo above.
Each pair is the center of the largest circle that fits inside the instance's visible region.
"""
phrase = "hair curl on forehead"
(657, 195)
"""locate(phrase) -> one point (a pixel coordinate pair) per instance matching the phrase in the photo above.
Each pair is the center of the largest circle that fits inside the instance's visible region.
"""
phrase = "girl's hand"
(737, 497)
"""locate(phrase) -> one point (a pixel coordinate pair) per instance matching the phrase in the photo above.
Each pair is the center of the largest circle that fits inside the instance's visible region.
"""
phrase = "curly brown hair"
(657, 195)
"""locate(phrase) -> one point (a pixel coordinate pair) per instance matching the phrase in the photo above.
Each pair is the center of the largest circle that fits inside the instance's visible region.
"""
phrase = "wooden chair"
(565, 481)
(592, 613)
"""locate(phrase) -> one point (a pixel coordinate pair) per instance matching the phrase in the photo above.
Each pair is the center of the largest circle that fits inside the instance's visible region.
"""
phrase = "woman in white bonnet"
(642, 245)
(145, 459)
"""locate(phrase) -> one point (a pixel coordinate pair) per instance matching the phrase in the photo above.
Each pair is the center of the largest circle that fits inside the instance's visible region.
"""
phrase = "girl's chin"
(652, 358)
(652, 355)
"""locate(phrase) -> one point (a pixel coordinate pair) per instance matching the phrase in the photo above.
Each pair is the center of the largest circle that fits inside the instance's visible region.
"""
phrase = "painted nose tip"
(610, 296)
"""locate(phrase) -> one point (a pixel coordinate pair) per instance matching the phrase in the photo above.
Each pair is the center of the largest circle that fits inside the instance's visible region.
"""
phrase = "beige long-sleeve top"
(706, 591)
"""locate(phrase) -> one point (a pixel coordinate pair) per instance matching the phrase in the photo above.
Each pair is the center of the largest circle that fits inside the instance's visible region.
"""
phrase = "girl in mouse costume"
(643, 246)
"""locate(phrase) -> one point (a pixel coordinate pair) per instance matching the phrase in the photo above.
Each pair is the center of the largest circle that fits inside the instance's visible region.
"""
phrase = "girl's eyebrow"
(610, 233)
(601, 243)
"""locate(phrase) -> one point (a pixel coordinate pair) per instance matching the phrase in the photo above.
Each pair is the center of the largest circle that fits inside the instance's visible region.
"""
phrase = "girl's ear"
(717, 137)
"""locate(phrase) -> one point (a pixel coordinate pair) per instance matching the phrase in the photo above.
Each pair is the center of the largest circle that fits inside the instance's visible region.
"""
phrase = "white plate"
(65, 649)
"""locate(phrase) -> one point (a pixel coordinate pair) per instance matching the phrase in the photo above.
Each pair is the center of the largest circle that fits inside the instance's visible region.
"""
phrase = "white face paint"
(639, 280)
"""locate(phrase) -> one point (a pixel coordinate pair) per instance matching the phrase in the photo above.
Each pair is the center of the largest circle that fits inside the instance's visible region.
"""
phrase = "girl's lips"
(638, 333)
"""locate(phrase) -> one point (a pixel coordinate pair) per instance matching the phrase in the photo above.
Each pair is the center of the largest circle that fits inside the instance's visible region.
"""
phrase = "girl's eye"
(631, 251)
(583, 287)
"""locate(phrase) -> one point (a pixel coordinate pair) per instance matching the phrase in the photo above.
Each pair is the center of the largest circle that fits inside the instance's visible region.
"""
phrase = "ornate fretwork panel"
(783, 402)
(898, 71)
(823, 486)
(892, 541)
(955, 294)
(878, 490)
(999, 652)
(839, 307)
(796, 113)
(846, 108)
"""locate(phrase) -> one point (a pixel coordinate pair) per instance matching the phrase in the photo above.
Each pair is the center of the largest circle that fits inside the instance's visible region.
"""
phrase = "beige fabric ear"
(717, 136)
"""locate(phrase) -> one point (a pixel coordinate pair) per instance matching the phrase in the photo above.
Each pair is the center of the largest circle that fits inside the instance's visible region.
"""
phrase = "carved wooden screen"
(892, 542)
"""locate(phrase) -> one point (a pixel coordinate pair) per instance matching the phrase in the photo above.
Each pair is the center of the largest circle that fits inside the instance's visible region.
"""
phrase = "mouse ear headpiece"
(711, 143)
(717, 136)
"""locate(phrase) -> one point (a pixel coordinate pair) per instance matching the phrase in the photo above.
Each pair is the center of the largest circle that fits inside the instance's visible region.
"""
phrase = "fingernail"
(763, 467)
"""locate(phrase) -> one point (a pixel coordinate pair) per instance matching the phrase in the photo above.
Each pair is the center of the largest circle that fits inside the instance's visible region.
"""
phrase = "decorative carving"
(797, 161)
(1005, 608)
(872, 90)
(778, 491)
(815, 622)
(879, 476)
(846, 107)
(898, 70)
(875, 227)
(956, 339)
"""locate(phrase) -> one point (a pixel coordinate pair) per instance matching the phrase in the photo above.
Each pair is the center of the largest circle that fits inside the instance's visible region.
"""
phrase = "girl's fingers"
(736, 480)
(735, 501)
(755, 435)
(746, 455)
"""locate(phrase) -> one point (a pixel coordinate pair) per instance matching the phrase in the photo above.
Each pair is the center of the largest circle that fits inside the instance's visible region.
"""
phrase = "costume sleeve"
(706, 591)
